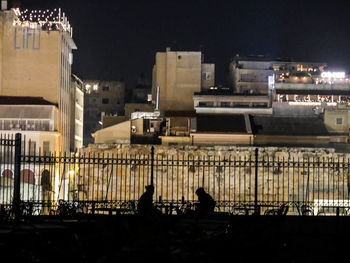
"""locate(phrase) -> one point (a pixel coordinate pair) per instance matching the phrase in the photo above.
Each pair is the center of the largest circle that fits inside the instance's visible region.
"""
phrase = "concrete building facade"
(102, 98)
(250, 74)
(35, 118)
(178, 75)
(77, 114)
(36, 59)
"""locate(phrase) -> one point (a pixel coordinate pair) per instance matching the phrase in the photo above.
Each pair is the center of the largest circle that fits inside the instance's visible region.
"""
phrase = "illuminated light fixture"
(87, 86)
(334, 75)
(310, 103)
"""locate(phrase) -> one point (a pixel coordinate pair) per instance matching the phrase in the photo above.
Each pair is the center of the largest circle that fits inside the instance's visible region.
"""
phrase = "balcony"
(25, 125)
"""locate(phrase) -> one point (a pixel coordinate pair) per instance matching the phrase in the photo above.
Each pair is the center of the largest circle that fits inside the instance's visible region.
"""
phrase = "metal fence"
(239, 183)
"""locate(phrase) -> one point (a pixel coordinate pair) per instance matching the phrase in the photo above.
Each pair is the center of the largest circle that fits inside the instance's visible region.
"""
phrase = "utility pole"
(17, 180)
(256, 207)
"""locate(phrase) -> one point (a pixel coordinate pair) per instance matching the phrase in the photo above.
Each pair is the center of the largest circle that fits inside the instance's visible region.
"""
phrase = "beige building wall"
(337, 120)
(38, 125)
(118, 133)
(38, 141)
(178, 75)
(137, 126)
(38, 63)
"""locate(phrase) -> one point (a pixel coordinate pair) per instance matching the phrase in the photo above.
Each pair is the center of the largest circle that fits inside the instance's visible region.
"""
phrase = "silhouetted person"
(206, 202)
(145, 203)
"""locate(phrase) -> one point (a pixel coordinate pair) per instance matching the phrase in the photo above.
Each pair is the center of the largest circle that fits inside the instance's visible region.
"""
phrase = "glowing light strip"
(311, 103)
(334, 75)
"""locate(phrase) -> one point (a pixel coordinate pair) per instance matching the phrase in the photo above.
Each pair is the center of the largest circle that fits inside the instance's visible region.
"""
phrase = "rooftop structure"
(43, 19)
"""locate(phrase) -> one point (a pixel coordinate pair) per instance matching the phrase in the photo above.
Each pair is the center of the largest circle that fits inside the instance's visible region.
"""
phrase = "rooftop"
(18, 100)
(45, 19)
(261, 58)
(221, 123)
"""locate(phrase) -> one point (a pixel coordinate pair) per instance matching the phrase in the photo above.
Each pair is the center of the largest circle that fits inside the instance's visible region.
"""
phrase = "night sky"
(119, 39)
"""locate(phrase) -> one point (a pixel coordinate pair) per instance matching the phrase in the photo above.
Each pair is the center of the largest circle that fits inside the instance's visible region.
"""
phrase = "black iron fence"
(110, 182)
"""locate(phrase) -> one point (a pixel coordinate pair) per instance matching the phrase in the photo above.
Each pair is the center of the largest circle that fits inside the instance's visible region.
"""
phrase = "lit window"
(95, 87)
(88, 86)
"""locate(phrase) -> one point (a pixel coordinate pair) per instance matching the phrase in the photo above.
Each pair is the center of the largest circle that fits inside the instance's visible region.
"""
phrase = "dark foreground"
(217, 238)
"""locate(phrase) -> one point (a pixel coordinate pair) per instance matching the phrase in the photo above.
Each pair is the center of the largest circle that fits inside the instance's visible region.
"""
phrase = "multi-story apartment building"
(255, 86)
(309, 92)
(77, 114)
(179, 74)
(36, 58)
(102, 98)
(35, 118)
(250, 74)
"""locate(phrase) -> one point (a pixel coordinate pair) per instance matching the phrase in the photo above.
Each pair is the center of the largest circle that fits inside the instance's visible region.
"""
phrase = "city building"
(189, 128)
(102, 98)
(309, 92)
(77, 113)
(36, 58)
(35, 118)
(250, 74)
(226, 102)
(272, 102)
(179, 74)
(142, 91)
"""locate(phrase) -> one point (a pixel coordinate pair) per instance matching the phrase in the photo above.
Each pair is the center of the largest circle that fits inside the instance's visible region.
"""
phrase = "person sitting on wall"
(145, 204)
(206, 202)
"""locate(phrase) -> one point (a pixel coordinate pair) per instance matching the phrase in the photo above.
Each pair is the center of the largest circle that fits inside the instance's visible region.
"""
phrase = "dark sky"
(119, 39)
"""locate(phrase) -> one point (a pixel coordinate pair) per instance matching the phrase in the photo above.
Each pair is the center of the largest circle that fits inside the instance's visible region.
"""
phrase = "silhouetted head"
(149, 188)
(200, 191)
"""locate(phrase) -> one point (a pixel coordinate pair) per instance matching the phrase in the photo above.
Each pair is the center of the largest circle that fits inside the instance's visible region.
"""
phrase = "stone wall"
(290, 175)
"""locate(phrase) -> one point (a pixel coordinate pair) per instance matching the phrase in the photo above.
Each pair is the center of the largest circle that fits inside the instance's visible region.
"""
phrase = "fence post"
(256, 207)
(152, 166)
(17, 179)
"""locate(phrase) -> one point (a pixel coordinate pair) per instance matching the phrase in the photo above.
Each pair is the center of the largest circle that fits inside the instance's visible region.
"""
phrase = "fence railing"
(256, 182)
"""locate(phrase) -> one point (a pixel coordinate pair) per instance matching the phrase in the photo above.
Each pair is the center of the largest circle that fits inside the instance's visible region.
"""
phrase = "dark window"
(27, 176)
(105, 88)
(46, 180)
(225, 104)
(46, 146)
(7, 174)
(105, 101)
